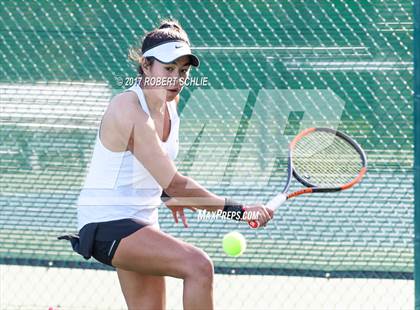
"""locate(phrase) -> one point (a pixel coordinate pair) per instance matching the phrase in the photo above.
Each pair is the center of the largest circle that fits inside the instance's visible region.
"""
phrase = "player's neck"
(155, 100)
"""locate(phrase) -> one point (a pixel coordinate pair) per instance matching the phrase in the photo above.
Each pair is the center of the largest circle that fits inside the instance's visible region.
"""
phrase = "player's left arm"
(176, 208)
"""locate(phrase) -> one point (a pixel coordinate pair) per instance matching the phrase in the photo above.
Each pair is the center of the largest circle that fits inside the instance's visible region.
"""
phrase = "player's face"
(173, 73)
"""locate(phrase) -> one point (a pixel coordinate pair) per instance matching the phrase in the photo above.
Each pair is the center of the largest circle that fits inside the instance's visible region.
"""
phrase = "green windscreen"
(273, 69)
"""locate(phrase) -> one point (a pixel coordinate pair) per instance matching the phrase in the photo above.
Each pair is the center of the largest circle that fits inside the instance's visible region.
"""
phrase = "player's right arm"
(131, 121)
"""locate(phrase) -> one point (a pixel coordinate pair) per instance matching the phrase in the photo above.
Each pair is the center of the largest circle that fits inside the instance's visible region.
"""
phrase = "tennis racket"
(322, 160)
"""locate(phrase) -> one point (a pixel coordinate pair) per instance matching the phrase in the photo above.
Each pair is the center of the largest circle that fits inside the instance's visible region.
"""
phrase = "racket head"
(326, 160)
(323, 160)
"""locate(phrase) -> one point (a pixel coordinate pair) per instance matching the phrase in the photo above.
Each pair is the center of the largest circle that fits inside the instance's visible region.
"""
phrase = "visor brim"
(194, 61)
(169, 52)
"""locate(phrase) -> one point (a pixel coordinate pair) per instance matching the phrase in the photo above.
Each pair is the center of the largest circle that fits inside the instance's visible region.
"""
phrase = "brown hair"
(168, 30)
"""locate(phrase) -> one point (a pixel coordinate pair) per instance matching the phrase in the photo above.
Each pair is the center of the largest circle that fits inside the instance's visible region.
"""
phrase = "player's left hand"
(178, 211)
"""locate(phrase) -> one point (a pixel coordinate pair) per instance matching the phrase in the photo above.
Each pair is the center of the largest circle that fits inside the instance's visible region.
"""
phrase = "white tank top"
(118, 186)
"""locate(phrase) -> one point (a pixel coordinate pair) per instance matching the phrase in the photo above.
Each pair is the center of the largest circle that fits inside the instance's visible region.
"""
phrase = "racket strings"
(326, 160)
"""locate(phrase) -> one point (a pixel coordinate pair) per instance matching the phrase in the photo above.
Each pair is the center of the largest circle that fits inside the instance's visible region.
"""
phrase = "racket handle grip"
(273, 204)
(276, 202)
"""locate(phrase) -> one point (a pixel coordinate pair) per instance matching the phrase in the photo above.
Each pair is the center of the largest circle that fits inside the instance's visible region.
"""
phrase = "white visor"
(170, 51)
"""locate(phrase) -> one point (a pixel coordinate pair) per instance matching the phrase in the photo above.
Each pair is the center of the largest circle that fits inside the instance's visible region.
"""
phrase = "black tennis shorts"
(100, 240)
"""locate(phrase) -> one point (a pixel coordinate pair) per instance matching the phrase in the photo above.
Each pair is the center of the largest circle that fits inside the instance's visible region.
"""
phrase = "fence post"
(416, 44)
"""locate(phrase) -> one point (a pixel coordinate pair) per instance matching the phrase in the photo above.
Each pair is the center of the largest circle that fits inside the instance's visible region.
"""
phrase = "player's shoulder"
(126, 105)
(127, 98)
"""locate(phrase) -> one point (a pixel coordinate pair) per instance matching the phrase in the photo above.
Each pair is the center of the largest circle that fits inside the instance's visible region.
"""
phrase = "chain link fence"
(273, 68)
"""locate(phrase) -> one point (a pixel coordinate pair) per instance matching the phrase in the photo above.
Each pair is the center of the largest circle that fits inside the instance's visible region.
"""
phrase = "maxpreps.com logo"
(204, 215)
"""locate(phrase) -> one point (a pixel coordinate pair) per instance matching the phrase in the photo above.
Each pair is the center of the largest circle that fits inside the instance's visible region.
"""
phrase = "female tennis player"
(132, 165)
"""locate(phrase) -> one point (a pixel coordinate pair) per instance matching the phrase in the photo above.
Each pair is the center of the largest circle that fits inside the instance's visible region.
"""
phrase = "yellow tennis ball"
(234, 243)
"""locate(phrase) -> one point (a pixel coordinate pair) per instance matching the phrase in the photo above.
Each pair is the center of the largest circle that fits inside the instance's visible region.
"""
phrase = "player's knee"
(201, 266)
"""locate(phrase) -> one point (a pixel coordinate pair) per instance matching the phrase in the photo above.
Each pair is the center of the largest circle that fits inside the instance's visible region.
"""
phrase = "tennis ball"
(234, 243)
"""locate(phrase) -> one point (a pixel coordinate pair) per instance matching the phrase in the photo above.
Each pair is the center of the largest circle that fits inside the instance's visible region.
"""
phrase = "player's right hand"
(258, 213)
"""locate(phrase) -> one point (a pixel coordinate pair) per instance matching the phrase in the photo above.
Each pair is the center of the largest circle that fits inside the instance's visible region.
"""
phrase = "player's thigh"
(152, 252)
(145, 291)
